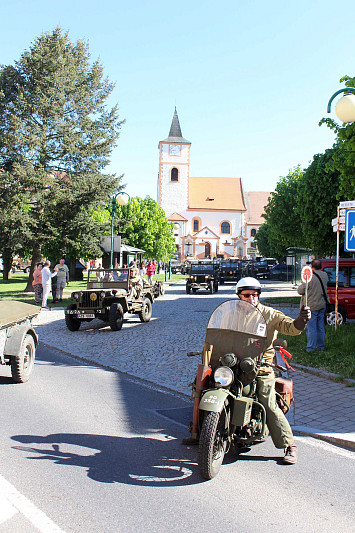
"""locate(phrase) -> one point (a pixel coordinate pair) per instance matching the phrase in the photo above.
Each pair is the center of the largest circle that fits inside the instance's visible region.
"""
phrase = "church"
(211, 216)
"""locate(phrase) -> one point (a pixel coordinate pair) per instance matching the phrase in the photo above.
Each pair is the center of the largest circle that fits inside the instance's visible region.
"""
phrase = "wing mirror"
(280, 343)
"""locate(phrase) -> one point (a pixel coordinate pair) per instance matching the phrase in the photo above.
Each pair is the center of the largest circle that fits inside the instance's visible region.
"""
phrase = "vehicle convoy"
(226, 408)
(18, 339)
(109, 295)
(202, 275)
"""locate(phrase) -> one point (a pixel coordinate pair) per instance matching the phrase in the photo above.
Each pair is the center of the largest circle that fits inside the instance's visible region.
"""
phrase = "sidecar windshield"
(239, 327)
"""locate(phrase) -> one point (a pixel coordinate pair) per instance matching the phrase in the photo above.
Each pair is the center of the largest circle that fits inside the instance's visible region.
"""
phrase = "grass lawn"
(13, 289)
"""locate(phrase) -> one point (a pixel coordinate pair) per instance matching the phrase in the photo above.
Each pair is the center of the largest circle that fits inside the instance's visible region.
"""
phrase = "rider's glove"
(302, 319)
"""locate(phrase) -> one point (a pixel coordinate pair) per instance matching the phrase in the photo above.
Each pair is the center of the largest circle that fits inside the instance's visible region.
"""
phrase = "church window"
(196, 224)
(174, 174)
(253, 232)
(225, 227)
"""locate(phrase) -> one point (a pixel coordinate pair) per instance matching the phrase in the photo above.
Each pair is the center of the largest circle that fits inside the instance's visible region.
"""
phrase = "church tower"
(173, 177)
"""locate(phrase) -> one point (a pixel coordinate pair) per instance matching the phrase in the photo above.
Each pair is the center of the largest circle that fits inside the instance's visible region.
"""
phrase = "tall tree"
(56, 137)
(344, 155)
(142, 223)
(281, 214)
(317, 203)
(268, 246)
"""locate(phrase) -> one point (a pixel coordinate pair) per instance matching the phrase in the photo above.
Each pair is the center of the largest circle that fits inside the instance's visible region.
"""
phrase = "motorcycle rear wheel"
(213, 444)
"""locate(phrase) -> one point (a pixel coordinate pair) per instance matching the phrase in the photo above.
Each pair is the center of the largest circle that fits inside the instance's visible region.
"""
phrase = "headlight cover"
(76, 295)
(223, 376)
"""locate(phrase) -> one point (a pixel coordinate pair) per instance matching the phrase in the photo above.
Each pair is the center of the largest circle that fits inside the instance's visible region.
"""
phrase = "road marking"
(19, 502)
(326, 446)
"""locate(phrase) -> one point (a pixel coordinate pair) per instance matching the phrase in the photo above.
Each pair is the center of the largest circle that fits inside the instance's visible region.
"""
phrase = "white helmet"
(248, 284)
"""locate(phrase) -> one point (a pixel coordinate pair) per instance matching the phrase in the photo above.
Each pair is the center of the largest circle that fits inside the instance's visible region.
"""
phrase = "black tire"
(213, 443)
(27, 270)
(115, 316)
(22, 364)
(330, 317)
(211, 287)
(188, 288)
(72, 323)
(146, 313)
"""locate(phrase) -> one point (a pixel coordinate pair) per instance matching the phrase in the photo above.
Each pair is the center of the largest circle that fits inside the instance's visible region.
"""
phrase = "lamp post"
(118, 197)
(345, 110)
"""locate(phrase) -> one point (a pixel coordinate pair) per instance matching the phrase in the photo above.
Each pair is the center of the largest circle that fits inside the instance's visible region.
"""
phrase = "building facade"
(209, 214)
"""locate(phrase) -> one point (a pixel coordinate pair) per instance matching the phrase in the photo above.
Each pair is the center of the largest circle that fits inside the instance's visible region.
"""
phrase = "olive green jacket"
(276, 322)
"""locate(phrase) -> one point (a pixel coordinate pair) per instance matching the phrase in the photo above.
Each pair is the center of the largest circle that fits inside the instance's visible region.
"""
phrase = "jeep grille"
(87, 302)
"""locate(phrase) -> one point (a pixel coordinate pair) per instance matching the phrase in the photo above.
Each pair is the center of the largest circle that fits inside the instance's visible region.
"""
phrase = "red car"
(346, 286)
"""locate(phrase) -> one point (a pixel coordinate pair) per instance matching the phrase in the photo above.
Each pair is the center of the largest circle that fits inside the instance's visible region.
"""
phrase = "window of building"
(196, 224)
(253, 232)
(225, 227)
(174, 174)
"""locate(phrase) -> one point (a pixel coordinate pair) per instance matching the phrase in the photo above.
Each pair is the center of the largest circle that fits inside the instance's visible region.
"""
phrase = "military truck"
(230, 270)
(110, 293)
(202, 275)
(18, 339)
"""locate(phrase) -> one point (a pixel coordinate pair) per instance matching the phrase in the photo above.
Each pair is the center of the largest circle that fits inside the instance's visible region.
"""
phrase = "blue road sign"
(349, 244)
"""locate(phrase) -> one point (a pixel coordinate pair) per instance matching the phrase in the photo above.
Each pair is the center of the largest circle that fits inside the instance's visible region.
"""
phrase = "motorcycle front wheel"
(213, 444)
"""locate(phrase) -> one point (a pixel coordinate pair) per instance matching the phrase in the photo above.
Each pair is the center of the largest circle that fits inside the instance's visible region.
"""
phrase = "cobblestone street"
(156, 351)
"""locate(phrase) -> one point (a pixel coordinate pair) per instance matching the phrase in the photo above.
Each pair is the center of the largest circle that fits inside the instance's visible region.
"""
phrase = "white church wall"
(213, 220)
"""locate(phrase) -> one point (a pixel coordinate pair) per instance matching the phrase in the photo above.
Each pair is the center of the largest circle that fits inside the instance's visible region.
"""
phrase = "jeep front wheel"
(115, 317)
(72, 323)
(146, 312)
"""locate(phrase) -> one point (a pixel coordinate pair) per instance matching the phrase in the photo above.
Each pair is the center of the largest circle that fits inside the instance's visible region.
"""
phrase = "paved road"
(87, 450)
(156, 351)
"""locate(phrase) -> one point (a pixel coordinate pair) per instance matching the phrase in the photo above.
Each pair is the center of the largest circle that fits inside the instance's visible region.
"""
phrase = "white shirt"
(47, 276)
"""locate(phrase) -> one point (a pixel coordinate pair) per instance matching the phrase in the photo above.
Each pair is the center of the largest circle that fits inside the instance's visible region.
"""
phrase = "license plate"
(86, 315)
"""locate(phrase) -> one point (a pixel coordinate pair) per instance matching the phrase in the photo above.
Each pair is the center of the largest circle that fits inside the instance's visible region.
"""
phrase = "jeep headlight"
(102, 294)
(223, 376)
(76, 295)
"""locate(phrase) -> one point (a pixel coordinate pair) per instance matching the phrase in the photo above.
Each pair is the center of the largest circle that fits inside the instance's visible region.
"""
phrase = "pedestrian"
(150, 271)
(248, 290)
(37, 283)
(47, 276)
(316, 300)
(62, 278)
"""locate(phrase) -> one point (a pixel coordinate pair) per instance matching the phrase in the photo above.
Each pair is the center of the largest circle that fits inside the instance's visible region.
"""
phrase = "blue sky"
(250, 79)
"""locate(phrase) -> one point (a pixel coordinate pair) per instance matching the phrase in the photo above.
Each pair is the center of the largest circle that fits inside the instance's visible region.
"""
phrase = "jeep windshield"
(113, 276)
(202, 268)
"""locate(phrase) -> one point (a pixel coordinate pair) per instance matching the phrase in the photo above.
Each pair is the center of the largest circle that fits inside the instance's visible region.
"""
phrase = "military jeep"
(230, 270)
(202, 275)
(109, 295)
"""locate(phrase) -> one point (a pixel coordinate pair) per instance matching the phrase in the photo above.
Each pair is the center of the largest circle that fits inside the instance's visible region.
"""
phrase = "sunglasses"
(249, 294)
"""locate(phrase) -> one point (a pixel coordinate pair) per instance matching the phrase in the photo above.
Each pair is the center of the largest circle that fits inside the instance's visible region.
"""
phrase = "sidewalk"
(156, 352)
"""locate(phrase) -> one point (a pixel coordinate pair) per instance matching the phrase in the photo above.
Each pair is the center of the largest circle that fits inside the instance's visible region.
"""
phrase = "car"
(281, 272)
(202, 275)
(18, 339)
(110, 293)
(346, 288)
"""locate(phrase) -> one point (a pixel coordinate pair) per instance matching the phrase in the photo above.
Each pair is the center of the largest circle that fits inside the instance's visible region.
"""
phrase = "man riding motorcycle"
(249, 289)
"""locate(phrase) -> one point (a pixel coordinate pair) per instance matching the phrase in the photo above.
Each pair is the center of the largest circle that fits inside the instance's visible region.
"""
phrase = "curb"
(324, 374)
(331, 438)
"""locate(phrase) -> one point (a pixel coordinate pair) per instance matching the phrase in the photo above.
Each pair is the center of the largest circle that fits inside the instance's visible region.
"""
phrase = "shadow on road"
(107, 459)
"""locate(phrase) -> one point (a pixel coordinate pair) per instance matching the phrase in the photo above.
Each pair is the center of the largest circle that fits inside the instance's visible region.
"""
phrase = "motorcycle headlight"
(223, 376)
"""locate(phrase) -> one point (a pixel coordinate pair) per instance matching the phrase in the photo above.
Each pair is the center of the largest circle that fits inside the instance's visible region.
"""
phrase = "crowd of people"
(46, 280)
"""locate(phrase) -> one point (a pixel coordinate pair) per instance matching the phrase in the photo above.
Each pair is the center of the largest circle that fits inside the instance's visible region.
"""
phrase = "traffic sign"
(340, 220)
(349, 243)
(341, 227)
(347, 204)
(306, 274)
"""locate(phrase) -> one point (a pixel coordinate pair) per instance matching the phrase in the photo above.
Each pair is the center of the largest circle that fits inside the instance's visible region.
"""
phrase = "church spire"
(175, 134)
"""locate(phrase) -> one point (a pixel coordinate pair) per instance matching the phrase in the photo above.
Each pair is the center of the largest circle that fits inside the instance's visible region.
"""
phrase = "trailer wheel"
(22, 364)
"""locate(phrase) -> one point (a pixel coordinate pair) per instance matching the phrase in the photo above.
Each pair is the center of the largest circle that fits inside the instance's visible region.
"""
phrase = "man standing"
(62, 278)
(248, 290)
(317, 299)
(47, 276)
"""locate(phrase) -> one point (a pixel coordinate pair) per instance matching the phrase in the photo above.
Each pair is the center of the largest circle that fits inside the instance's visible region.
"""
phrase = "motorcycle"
(226, 407)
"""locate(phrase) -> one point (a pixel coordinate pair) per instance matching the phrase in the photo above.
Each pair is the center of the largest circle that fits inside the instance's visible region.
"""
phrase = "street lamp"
(345, 110)
(120, 199)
